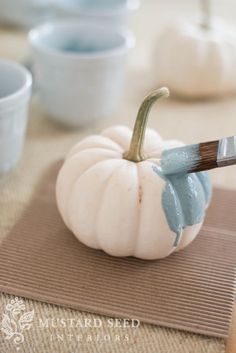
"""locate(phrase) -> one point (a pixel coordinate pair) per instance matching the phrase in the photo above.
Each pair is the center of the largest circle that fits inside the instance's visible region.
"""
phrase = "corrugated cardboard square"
(193, 289)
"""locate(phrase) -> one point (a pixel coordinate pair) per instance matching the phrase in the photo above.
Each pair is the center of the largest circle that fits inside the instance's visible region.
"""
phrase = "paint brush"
(200, 157)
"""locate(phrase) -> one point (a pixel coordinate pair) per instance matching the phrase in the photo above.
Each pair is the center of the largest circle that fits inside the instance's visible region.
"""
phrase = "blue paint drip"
(185, 196)
(206, 184)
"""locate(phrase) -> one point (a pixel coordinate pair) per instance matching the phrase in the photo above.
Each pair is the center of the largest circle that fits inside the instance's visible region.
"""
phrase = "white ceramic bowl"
(26, 13)
(79, 69)
(15, 91)
(114, 12)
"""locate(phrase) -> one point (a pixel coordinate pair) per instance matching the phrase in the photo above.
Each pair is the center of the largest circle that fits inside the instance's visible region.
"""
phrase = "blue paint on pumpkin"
(184, 198)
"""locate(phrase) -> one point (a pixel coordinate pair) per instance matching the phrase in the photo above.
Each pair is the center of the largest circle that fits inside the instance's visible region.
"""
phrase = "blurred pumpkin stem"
(206, 14)
(135, 152)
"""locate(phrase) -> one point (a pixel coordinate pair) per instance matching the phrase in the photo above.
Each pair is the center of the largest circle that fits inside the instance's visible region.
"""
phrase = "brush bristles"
(190, 158)
(207, 157)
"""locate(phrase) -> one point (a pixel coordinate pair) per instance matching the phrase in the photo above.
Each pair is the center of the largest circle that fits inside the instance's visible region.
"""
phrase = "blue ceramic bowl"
(115, 12)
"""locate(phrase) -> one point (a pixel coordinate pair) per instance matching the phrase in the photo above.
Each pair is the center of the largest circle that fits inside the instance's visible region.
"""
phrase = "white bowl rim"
(128, 6)
(4, 101)
(129, 40)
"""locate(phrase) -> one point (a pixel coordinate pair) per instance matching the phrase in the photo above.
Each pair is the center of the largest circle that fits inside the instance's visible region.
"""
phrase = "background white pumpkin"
(113, 203)
(196, 59)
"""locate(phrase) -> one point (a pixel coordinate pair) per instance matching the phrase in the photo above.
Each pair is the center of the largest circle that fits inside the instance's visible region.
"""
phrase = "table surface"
(188, 121)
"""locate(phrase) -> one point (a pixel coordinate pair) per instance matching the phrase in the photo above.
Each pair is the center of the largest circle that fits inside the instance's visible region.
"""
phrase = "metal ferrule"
(226, 151)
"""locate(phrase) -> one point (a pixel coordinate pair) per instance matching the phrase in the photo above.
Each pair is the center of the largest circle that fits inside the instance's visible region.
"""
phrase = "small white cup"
(15, 92)
(79, 69)
(113, 12)
(26, 13)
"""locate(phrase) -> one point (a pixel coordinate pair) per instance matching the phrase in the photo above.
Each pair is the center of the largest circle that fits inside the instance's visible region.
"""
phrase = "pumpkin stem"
(206, 14)
(135, 152)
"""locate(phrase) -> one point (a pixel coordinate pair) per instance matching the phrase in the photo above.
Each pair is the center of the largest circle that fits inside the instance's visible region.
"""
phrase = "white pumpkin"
(111, 199)
(197, 59)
